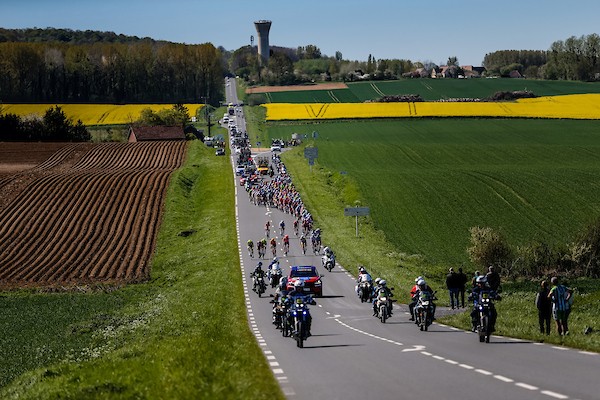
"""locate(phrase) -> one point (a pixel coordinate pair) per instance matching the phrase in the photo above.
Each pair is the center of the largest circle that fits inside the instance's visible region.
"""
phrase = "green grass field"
(428, 181)
(432, 89)
(178, 336)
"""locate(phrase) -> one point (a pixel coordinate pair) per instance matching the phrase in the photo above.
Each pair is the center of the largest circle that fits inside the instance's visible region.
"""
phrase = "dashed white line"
(526, 386)
(554, 394)
(503, 378)
(483, 372)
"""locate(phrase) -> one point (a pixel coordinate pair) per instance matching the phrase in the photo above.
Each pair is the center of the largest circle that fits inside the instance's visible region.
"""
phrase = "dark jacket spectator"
(544, 306)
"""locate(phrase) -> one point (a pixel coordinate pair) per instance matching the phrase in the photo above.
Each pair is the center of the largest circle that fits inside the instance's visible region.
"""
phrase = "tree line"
(136, 72)
(61, 65)
(54, 126)
(576, 58)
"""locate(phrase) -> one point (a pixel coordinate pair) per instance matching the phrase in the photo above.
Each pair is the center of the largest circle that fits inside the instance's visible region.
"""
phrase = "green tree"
(489, 247)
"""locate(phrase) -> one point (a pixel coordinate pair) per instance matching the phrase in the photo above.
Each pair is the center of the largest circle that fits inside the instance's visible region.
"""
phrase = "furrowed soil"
(77, 214)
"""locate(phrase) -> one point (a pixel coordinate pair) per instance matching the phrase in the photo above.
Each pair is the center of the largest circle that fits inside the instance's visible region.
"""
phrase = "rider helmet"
(377, 280)
(481, 279)
(418, 278)
(421, 282)
(274, 259)
(260, 263)
(298, 284)
(361, 270)
(383, 282)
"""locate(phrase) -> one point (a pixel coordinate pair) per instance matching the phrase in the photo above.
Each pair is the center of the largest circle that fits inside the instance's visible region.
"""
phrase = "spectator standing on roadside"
(462, 281)
(560, 296)
(493, 279)
(452, 285)
(544, 306)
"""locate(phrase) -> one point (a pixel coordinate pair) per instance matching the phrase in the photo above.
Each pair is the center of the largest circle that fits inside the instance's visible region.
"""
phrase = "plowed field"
(86, 214)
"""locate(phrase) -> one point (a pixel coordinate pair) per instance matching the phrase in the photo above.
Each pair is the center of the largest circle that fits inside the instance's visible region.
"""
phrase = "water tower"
(262, 28)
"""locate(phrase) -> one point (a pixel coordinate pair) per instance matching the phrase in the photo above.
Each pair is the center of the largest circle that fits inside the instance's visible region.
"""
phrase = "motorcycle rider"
(363, 276)
(414, 298)
(296, 293)
(275, 264)
(280, 300)
(388, 293)
(257, 273)
(481, 288)
(328, 256)
(423, 287)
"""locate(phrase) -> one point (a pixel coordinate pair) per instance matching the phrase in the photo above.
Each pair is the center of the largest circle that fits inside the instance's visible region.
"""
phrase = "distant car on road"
(220, 152)
(275, 148)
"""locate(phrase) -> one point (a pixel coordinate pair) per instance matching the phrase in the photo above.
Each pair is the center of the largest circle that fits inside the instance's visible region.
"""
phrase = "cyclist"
(303, 243)
(250, 244)
(274, 246)
(286, 244)
(282, 227)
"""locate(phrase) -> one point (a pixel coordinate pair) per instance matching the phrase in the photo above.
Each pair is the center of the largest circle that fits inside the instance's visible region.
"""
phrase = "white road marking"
(503, 378)
(554, 394)
(526, 386)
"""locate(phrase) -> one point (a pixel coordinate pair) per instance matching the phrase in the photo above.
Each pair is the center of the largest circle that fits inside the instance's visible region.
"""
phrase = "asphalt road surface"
(352, 355)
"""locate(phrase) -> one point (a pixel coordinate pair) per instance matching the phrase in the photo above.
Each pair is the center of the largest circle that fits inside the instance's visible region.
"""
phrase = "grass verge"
(182, 335)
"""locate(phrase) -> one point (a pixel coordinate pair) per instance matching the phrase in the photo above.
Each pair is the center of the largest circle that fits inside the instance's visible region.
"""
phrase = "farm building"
(153, 133)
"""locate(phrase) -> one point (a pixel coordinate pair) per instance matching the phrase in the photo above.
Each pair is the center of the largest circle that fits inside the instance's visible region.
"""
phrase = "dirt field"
(73, 214)
(318, 86)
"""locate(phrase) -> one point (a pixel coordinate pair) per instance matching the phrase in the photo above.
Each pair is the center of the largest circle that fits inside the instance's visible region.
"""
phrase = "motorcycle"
(484, 309)
(424, 310)
(383, 306)
(275, 275)
(328, 261)
(280, 315)
(364, 291)
(301, 321)
(259, 287)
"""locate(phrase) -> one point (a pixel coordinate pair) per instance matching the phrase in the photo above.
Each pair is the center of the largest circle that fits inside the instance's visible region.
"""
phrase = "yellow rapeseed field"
(579, 106)
(93, 114)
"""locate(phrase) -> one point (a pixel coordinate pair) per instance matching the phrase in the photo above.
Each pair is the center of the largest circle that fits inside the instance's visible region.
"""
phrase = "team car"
(309, 275)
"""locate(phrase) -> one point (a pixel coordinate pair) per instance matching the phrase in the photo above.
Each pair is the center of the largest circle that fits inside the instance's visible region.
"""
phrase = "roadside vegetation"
(174, 337)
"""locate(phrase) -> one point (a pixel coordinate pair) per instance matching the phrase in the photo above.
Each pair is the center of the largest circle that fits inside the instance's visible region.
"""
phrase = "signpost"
(356, 212)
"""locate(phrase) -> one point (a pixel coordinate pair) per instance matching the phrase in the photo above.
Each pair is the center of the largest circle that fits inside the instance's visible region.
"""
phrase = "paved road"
(351, 355)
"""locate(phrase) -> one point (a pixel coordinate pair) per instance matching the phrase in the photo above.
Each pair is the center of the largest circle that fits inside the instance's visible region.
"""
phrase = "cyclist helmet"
(361, 270)
(417, 279)
(274, 259)
(377, 280)
(383, 282)
(260, 263)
